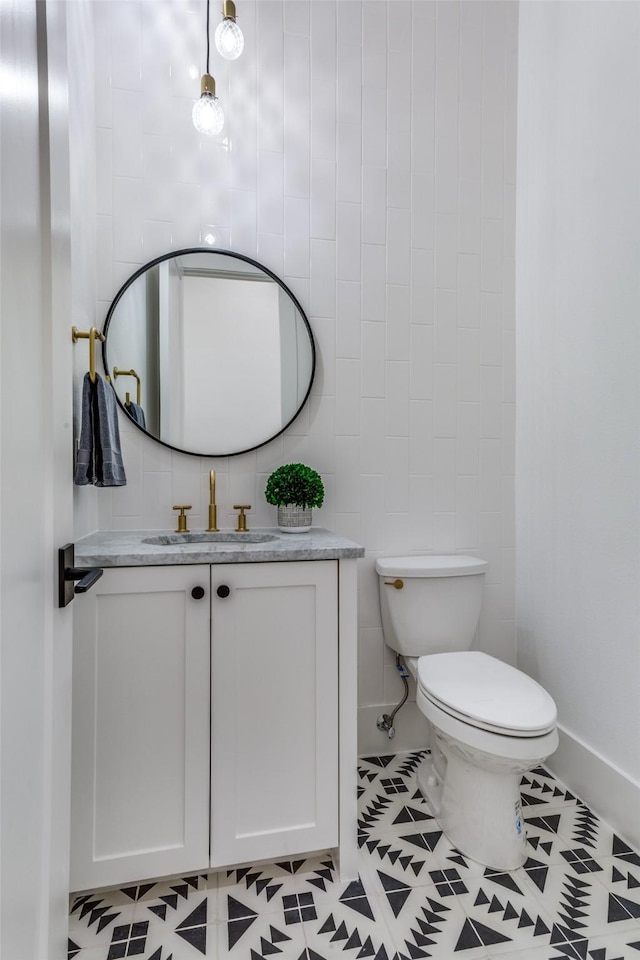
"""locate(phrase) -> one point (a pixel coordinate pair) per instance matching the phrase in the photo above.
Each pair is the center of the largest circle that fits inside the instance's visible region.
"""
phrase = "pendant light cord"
(207, 36)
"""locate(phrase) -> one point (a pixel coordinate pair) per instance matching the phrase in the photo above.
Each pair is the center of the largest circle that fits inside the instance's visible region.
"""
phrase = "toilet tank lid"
(430, 566)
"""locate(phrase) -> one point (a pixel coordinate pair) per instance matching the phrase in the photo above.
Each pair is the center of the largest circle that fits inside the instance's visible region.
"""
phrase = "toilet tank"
(430, 604)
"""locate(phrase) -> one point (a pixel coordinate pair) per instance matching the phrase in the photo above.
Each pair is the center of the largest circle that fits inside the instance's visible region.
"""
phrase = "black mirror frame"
(237, 256)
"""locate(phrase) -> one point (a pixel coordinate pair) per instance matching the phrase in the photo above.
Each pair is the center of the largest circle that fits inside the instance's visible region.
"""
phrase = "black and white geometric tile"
(577, 897)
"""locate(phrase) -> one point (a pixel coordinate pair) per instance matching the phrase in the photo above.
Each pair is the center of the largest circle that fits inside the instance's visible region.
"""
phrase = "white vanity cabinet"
(140, 765)
(215, 731)
(274, 710)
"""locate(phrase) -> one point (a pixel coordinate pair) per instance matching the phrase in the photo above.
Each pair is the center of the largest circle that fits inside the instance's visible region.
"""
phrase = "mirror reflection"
(209, 352)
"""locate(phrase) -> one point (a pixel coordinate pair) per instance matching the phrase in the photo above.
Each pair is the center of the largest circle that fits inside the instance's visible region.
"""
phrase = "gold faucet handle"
(182, 520)
(242, 520)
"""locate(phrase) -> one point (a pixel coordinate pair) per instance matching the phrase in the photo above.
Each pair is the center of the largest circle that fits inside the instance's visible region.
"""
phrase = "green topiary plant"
(295, 484)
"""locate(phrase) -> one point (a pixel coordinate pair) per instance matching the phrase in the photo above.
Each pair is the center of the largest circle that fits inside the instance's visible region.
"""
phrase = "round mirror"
(209, 352)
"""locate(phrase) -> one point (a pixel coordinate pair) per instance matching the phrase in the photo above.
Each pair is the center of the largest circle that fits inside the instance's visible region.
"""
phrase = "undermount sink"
(173, 539)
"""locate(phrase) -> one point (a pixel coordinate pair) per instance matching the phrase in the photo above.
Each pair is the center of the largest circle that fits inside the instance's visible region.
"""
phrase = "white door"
(140, 782)
(274, 712)
(35, 480)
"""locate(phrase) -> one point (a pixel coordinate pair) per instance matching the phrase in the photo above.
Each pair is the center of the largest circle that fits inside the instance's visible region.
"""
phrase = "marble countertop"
(126, 548)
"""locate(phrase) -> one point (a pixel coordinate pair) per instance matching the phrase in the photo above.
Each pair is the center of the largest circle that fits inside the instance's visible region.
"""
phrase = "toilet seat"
(502, 744)
(486, 693)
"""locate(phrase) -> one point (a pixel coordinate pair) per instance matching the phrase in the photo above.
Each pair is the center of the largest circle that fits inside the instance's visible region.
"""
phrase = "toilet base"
(479, 811)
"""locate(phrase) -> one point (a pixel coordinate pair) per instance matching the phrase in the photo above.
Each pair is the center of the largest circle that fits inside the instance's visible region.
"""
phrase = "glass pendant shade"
(229, 39)
(208, 117)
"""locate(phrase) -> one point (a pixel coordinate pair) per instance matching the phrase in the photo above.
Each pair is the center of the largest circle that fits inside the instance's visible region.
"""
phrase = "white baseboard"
(608, 790)
(412, 730)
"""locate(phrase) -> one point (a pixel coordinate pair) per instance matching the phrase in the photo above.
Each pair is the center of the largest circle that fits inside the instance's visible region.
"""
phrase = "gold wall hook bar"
(129, 373)
(91, 335)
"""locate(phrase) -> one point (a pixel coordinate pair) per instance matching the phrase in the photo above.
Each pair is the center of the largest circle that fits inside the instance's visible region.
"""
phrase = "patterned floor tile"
(353, 925)
(584, 906)
(577, 897)
(175, 919)
(621, 876)
(117, 896)
(253, 936)
(179, 911)
(504, 903)
(600, 949)
(75, 952)
(494, 908)
(269, 888)
(578, 826)
(550, 953)
(187, 938)
(615, 947)
(412, 848)
(93, 917)
(389, 778)
(544, 844)
(539, 786)
(606, 947)
(426, 922)
(621, 883)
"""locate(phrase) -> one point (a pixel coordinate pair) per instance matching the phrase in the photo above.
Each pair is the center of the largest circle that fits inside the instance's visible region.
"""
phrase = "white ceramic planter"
(293, 519)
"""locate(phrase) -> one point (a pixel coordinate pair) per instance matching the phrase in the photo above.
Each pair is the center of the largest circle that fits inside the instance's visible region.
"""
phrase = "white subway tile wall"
(368, 158)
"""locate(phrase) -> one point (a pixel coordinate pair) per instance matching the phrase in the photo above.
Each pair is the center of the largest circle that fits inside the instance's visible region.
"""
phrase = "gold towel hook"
(129, 373)
(91, 336)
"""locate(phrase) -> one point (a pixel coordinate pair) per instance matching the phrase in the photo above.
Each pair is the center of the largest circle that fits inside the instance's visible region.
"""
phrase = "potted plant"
(294, 489)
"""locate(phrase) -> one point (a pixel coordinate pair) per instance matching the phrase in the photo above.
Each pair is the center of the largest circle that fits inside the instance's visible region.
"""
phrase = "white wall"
(369, 160)
(578, 468)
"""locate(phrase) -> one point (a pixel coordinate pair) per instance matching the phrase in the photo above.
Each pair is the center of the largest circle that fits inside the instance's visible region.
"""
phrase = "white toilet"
(490, 722)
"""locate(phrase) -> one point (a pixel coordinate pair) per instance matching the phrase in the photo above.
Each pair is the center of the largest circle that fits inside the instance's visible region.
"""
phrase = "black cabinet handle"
(223, 591)
(197, 593)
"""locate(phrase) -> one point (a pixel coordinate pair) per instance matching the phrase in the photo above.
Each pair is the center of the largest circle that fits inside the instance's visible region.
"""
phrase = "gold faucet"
(213, 510)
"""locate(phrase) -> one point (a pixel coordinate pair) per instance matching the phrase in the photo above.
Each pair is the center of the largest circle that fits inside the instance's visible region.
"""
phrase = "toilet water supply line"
(385, 720)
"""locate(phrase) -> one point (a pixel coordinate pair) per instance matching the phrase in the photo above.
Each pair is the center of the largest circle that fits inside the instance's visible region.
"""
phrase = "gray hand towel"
(99, 456)
(136, 413)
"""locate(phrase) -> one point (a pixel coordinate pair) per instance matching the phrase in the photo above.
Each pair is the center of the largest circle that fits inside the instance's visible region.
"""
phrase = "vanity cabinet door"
(140, 778)
(274, 751)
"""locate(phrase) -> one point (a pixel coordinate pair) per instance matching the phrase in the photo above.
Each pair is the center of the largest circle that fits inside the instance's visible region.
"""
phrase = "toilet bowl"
(490, 722)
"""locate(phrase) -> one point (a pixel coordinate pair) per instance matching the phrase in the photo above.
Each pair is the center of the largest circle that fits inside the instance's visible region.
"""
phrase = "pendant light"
(228, 36)
(207, 112)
